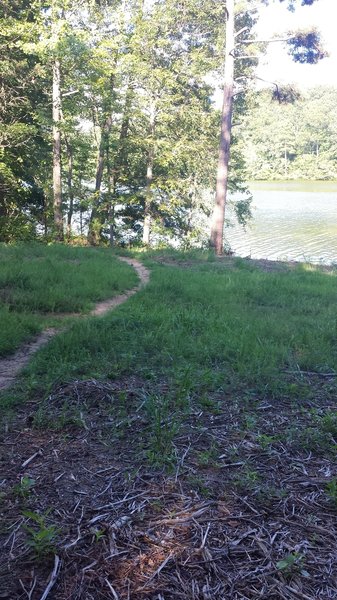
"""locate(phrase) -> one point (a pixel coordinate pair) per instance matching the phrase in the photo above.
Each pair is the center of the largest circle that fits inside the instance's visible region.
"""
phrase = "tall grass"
(38, 281)
(208, 326)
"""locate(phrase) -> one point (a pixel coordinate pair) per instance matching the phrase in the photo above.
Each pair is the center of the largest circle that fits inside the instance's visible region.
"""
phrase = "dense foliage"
(291, 140)
(108, 125)
(133, 112)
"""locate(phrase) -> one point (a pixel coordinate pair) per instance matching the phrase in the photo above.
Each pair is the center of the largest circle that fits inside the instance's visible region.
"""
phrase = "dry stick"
(108, 486)
(112, 590)
(71, 544)
(53, 578)
(181, 462)
(98, 518)
(298, 593)
(112, 504)
(28, 592)
(38, 453)
(88, 567)
(203, 543)
(163, 564)
(14, 532)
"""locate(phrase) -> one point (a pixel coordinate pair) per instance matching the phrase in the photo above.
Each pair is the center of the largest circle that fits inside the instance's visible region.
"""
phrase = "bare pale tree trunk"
(57, 181)
(149, 180)
(70, 186)
(81, 219)
(148, 198)
(218, 218)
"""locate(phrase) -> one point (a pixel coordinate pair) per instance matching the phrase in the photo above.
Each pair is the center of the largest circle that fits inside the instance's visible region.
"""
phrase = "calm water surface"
(291, 221)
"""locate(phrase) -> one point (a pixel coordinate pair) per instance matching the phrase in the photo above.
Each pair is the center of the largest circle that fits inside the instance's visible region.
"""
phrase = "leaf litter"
(239, 510)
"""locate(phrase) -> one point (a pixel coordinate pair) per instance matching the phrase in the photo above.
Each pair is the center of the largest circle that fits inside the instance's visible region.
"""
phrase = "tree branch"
(266, 41)
(246, 57)
(241, 31)
(70, 93)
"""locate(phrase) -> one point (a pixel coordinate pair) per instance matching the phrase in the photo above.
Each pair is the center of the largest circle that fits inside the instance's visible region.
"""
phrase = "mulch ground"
(241, 510)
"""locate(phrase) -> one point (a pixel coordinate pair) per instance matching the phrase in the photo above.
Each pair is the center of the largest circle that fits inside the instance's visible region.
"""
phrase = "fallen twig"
(53, 577)
(29, 460)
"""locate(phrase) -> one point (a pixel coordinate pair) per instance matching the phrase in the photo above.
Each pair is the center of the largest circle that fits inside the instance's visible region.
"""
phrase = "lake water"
(291, 221)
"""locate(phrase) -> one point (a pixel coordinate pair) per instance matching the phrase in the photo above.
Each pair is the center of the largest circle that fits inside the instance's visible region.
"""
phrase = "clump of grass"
(331, 490)
(292, 564)
(209, 456)
(320, 436)
(16, 328)
(163, 425)
(23, 489)
(38, 281)
(247, 480)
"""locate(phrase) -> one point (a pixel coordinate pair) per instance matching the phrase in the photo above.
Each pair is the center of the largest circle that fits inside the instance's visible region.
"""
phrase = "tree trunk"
(70, 187)
(97, 217)
(111, 196)
(149, 180)
(148, 198)
(218, 219)
(57, 182)
(114, 168)
(285, 163)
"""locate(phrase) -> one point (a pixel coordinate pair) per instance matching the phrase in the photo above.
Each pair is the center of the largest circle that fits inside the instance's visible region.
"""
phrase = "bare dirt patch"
(143, 273)
(11, 366)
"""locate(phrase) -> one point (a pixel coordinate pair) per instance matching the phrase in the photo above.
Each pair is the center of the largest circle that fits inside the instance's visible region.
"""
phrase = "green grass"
(38, 282)
(204, 328)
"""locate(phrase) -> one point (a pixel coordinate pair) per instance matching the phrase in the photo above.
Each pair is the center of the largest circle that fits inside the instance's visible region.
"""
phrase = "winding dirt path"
(12, 365)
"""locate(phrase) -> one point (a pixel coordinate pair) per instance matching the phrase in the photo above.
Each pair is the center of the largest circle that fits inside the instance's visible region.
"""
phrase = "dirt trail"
(12, 365)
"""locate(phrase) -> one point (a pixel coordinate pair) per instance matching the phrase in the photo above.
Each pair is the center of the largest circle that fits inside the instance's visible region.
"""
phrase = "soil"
(11, 366)
(228, 518)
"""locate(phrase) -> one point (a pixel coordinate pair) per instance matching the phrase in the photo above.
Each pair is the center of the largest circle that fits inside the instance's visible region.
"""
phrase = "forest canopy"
(296, 140)
(108, 125)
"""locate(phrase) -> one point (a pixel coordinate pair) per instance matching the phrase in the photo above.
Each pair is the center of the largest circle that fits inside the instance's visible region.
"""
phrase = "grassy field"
(206, 325)
(38, 282)
(184, 444)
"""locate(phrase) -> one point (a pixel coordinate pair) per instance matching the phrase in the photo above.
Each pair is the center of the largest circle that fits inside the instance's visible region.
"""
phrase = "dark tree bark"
(111, 196)
(218, 218)
(114, 167)
(97, 216)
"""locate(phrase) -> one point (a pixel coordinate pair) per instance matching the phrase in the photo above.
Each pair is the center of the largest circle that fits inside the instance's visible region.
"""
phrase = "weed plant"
(42, 535)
